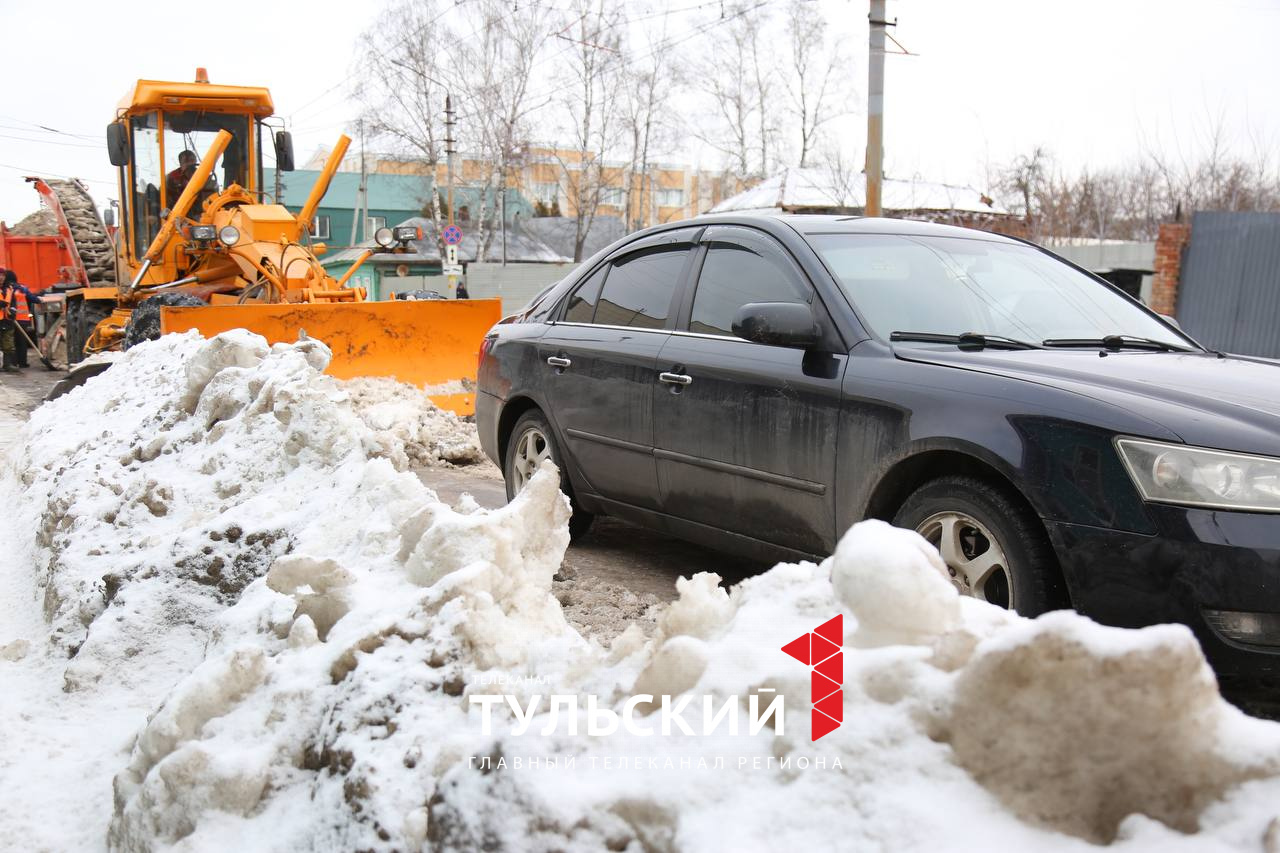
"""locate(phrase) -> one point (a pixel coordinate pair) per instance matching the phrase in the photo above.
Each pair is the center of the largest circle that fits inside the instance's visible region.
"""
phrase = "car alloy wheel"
(975, 559)
(532, 449)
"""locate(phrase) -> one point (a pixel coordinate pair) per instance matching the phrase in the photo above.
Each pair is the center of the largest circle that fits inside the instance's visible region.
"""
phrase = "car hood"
(1229, 402)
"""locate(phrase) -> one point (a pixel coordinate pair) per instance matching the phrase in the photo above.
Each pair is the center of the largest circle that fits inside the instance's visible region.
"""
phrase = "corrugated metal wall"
(1229, 287)
(514, 284)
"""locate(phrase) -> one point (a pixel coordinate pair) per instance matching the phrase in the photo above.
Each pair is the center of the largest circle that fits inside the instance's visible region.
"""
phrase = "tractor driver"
(179, 178)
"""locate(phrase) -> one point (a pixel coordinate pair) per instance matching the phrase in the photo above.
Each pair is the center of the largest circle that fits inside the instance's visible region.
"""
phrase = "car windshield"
(955, 285)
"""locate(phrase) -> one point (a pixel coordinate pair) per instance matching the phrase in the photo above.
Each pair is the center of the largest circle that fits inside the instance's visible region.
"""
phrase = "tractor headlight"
(229, 235)
(1196, 476)
(203, 233)
(384, 237)
(405, 233)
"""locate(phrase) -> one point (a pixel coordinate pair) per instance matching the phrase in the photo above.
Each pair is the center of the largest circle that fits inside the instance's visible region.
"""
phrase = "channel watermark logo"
(821, 649)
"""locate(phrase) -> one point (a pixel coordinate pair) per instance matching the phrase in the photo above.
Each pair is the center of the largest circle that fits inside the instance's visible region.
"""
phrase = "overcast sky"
(1096, 81)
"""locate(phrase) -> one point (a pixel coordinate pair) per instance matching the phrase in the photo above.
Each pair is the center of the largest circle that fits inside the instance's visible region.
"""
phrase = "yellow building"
(548, 178)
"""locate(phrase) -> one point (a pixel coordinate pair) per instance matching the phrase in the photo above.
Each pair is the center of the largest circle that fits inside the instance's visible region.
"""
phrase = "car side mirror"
(108, 216)
(284, 151)
(1172, 321)
(117, 144)
(782, 324)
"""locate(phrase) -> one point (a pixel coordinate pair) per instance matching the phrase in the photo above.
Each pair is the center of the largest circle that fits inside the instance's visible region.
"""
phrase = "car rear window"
(639, 288)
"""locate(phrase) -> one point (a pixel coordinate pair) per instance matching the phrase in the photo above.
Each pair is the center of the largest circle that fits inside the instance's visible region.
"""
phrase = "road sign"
(451, 255)
(453, 235)
(452, 270)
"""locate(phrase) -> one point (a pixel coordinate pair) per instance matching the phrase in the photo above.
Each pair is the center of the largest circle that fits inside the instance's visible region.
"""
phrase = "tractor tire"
(82, 318)
(144, 322)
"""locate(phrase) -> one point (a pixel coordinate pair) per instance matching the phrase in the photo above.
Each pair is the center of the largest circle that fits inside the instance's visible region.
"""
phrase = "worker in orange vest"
(15, 308)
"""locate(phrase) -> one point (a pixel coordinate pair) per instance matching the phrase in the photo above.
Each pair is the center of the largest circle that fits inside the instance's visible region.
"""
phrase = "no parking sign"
(453, 235)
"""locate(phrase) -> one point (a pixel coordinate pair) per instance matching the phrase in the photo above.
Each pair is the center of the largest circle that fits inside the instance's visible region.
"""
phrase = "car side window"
(582, 304)
(734, 275)
(639, 288)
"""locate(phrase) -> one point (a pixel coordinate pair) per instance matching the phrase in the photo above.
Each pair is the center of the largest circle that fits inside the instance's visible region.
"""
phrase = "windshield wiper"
(1117, 342)
(968, 340)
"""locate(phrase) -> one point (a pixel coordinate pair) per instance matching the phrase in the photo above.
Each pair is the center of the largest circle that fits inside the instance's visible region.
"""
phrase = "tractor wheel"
(82, 318)
(144, 322)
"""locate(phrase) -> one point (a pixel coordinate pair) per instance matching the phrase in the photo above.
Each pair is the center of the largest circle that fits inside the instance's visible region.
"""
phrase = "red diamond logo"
(823, 650)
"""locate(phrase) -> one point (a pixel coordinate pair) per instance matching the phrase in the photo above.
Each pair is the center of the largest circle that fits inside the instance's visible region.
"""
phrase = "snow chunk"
(1095, 724)
(895, 585)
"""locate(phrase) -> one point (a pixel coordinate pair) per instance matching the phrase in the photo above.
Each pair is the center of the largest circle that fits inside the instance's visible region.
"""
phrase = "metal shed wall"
(514, 284)
(1229, 286)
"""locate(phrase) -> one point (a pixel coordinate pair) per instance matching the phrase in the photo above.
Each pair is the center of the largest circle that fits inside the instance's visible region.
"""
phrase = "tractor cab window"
(187, 137)
(148, 178)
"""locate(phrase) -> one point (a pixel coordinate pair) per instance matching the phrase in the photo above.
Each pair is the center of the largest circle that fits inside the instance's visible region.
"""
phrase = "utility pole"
(875, 108)
(279, 183)
(362, 197)
(504, 224)
(450, 259)
(448, 147)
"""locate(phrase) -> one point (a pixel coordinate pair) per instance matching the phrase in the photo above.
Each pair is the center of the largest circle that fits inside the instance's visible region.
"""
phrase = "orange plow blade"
(433, 344)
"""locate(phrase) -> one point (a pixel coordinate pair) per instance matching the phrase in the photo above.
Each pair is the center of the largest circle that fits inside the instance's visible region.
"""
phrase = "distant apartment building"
(549, 179)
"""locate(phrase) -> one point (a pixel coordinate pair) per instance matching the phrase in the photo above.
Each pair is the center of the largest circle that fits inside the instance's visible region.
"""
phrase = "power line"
(46, 128)
(49, 141)
(43, 173)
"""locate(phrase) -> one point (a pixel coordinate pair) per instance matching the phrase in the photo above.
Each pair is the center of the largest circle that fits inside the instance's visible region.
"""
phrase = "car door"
(600, 361)
(745, 433)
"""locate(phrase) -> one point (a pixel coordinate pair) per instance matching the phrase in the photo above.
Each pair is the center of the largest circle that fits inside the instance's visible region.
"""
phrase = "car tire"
(989, 539)
(531, 441)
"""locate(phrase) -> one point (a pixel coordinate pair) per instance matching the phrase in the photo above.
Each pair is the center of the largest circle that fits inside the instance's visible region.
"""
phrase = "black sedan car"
(759, 384)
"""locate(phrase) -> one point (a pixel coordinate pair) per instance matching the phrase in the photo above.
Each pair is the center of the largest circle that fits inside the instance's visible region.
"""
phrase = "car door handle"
(558, 361)
(675, 378)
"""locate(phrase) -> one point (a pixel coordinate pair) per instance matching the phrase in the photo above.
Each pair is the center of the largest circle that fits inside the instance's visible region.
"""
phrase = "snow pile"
(230, 529)
(146, 502)
(404, 416)
(193, 465)
(972, 723)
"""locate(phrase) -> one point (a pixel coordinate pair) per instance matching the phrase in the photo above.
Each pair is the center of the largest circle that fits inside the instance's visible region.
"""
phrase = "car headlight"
(1196, 476)
(204, 233)
(229, 235)
(384, 237)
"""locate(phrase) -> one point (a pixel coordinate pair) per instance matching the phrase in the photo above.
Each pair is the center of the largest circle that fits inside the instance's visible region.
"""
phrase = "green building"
(391, 199)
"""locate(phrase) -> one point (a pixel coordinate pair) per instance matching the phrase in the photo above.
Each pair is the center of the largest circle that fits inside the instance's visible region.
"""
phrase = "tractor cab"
(162, 131)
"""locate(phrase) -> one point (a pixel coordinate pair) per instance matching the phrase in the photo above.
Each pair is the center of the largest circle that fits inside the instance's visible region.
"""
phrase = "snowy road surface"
(19, 394)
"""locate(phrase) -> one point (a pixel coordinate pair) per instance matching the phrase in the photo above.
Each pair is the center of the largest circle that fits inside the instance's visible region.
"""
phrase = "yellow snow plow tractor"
(201, 247)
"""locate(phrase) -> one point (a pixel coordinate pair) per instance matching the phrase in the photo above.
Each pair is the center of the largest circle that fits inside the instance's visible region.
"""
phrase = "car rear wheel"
(994, 548)
(532, 443)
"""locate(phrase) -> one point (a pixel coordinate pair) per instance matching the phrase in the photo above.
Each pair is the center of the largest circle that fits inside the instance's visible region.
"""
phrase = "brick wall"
(1170, 244)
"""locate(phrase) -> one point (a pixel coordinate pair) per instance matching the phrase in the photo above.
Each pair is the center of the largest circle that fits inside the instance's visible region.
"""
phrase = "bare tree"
(813, 69)
(590, 103)
(400, 90)
(649, 81)
(1129, 202)
(843, 173)
(738, 81)
(497, 65)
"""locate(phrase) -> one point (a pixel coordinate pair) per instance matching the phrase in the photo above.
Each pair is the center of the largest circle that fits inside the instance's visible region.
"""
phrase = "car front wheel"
(532, 443)
(994, 548)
